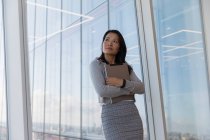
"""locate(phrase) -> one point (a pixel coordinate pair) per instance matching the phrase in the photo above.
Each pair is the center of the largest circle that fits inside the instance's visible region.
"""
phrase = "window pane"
(62, 43)
(51, 137)
(71, 84)
(3, 112)
(89, 5)
(37, 46)
(37, 136)
(183, 68)
(71, 70)
(31, 39)
(52, 92)
(38, 89)
(71, 13)
(123, 18)
(92, 39)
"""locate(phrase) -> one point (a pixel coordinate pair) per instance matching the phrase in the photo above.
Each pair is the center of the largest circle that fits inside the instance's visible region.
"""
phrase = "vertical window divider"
(151, 70)
(108, 12)
(81, 91)
(148, 100)
(45, 71)
(61, 52)
(17, 70)
(206, 32)
(2, 16)
(32, 84)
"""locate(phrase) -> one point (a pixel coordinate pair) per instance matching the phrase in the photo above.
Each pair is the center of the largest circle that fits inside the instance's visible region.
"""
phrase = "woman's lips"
(108, 48)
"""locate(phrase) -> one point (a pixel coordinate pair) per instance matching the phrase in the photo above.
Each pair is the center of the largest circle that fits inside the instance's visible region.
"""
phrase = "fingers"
(113, 81)
(109, 81)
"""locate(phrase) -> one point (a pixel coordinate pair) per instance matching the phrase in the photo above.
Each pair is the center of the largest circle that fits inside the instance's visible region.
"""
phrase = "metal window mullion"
(148, 100)
(26, 72)
(151, 70)
(81, 90)
(5, 91)
(17, 70)
(206, 32)
(32, 76)
(61, 53)
(108, 13)
(45, 71)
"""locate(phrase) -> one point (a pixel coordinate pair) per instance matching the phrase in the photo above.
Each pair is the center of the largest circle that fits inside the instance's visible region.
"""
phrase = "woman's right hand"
(113, 81)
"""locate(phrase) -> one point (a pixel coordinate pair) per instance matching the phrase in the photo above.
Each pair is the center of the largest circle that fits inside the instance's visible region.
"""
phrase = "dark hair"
(120, 56)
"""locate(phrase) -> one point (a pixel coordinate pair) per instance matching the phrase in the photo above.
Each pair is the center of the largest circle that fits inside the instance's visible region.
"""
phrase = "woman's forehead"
(112, 35)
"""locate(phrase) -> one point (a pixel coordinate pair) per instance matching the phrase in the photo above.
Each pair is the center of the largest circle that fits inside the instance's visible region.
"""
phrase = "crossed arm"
(110, 87)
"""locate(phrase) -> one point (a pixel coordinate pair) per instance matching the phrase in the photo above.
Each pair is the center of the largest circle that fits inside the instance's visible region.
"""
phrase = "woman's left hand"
(113, 81)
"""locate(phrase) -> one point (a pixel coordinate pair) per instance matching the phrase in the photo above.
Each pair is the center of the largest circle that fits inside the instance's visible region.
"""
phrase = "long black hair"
(120, 56)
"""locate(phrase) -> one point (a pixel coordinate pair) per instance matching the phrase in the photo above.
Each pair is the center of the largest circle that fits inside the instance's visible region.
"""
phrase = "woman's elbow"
(141, 89)
(102, 93)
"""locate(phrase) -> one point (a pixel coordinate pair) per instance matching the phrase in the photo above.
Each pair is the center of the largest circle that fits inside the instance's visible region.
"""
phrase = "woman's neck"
(110, 59)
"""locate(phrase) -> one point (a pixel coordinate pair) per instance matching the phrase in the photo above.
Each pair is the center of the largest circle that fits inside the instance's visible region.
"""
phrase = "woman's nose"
(110, 43)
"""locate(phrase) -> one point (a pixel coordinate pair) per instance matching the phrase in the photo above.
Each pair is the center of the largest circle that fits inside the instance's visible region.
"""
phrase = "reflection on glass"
(183, 69)
(51, 137)
(92, 39)
(70, 84)
(67, 138)
(70, 70)
(63, 40)
(123, 18)
(36, 38)
(37, 136)
(3, 114)
(90, 5)
(71, 13)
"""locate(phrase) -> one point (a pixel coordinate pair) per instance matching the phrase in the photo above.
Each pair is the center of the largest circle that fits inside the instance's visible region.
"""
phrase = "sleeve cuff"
(124, 82)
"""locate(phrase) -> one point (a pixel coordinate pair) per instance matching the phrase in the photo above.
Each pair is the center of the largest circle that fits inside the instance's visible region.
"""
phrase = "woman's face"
(111, 44)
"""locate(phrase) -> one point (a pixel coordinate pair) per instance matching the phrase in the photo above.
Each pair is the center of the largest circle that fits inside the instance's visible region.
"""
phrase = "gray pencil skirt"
(121, 121)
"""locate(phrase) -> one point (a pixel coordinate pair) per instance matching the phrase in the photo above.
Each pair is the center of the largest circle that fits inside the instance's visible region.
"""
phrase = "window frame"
(206, 30)
(17, 71)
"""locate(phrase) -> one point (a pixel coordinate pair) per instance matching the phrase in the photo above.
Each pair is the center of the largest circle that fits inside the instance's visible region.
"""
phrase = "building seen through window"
(64, 37)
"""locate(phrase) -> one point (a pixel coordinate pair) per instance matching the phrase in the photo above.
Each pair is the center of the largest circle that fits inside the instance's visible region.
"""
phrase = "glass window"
(91, 48)
(90, 5)
(3, 111)
(31, 38)
(183, 68)
(63, 40)
(36, 38)
(70, 14)
(71, 84)
(70, 70)
(52, 89)
(123, 18)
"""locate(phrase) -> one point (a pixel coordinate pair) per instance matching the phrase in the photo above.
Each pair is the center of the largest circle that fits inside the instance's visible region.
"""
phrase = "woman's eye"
(116, 42)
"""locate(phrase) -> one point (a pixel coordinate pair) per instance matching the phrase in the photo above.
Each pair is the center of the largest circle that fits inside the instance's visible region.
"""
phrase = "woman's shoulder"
(127, 63)
(96, 62)
(129, 67)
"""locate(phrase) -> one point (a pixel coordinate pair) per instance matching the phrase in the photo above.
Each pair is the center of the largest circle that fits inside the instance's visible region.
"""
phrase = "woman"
(120, 117)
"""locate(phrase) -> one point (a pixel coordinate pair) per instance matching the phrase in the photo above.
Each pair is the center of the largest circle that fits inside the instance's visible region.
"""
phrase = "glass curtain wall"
(37, 57)
(124, 18)
(3, 108)
(92, 34)
(183, 68)
(70, 116)
(64, 37)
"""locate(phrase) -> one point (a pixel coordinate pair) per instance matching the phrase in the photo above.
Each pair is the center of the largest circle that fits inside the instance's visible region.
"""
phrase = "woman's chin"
(109, 53)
